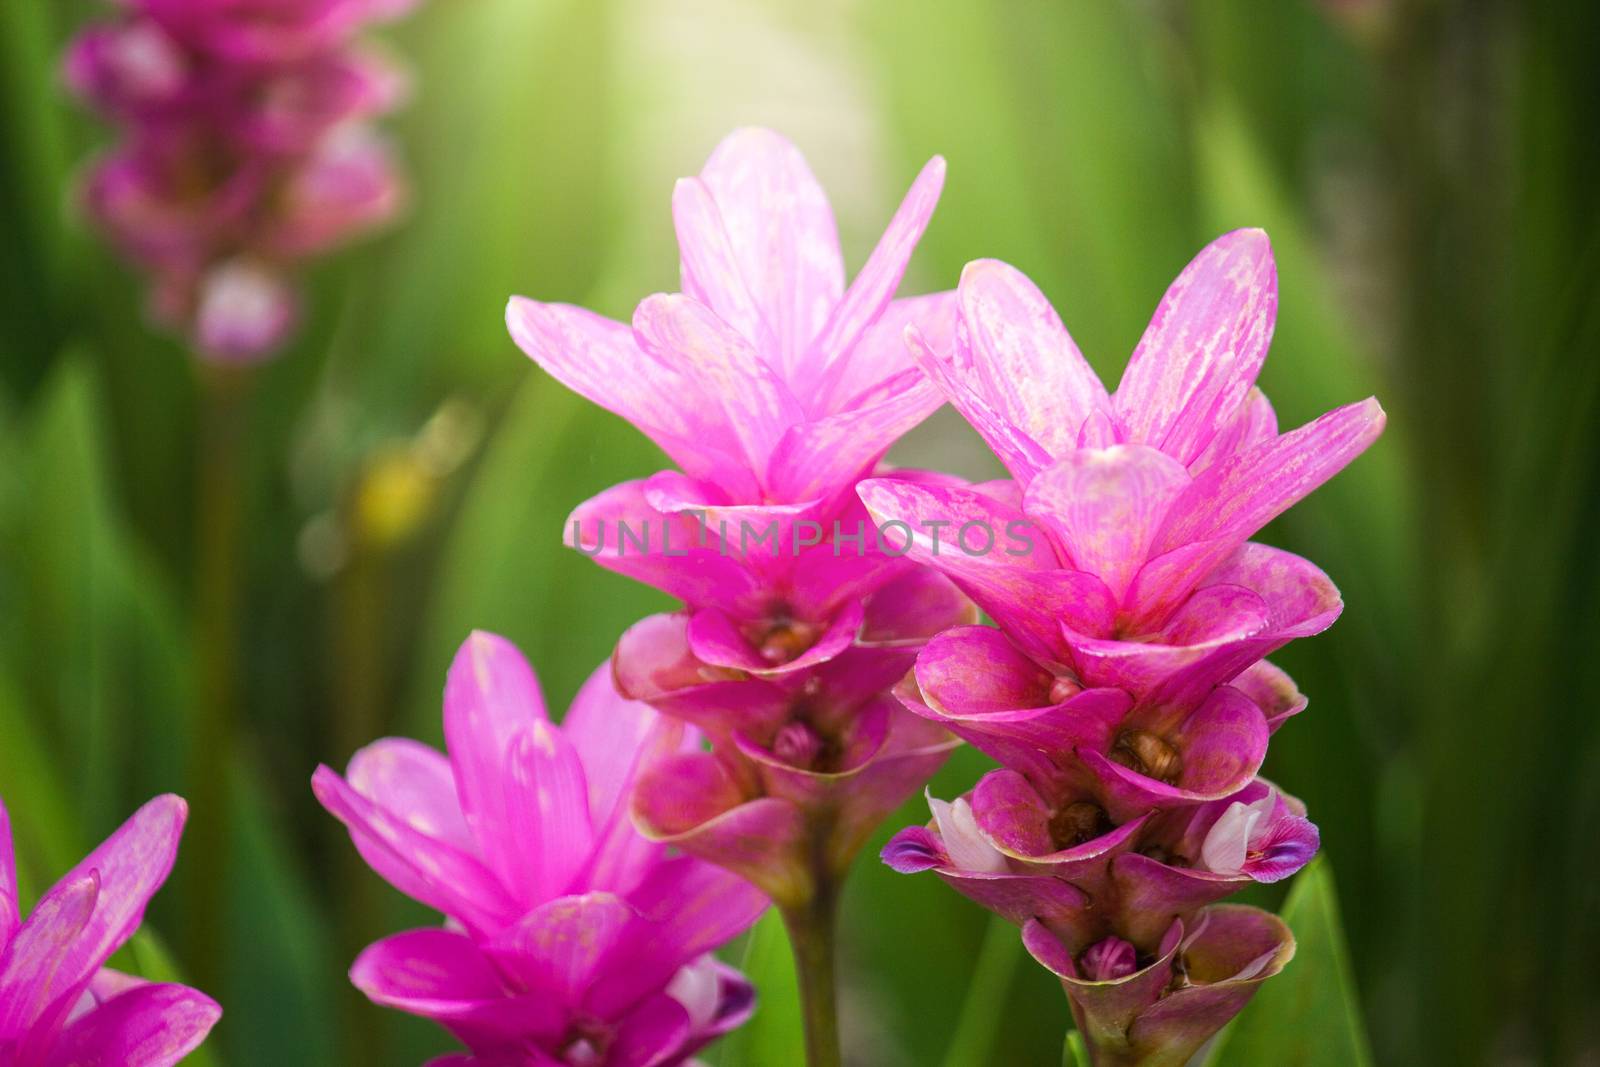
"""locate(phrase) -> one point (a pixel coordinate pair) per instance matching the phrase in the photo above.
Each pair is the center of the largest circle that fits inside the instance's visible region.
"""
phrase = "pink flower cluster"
(246, 147)
(775, 388)
(1124, 691)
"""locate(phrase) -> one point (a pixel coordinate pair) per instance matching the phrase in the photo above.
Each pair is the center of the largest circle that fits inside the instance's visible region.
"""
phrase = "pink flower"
(1130, 564)
(59, 1006)
(570, 938)
(245, 141)
(774, 388)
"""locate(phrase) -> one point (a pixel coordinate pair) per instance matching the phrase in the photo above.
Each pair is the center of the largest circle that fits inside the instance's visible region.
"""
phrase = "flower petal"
(1107, 505)
(37, 984)
(614, 737)
(756, 403)
(153, 1025)
(623, 531)
(781, 229)
(416, 783)
(563, 945)
(599, 360)
(521, 786)
(422, 867)
(10, 918)
(443, 976)
(128, 867)
(1200, 355)
(873, 288)
(1232, 500)
(1022, 360)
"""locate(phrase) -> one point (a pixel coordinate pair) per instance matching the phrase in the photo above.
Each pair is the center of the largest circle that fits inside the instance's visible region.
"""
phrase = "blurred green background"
(1427, 172)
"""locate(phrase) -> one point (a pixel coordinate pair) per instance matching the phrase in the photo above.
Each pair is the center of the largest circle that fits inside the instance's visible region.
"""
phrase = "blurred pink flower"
(59, 1005)
(244, 141)
(570, 938)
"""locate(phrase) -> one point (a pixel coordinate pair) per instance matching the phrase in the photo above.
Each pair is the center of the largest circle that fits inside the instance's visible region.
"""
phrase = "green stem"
(985, 1004)
(219, 505)
(812, 926)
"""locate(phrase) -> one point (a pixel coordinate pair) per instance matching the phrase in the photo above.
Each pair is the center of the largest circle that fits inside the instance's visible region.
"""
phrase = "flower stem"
(812, 926)
(218, 503)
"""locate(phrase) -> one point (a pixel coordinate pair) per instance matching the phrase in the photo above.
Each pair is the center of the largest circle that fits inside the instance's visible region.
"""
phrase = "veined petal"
(1201, 353)
(547, 836)
(128, 868)
(651, 1035)
(781, 229)
(817, 459)
(621, 530)
(424, 868)
(686, 907)
(444, 976)
(873, 288)
(491, 698)
(614, 737)
(153, 1025)
(881, 353)
(416, 783)
(36, 980)
(709, 269)
(1234, 499)
(1253, 423)
(756, 403)
(1106, 505)
(1023, 361)
(951, 368)
(599, 360)
(995, 553)
(9, 916)
(559, 948)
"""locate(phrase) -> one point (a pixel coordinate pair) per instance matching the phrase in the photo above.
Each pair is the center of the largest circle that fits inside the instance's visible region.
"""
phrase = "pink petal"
(1023, 362)
(757, 405)
(781, 229)
(621, 530)
(128, 867)
(687, 907)
(951, 368)
(40, 979)
(651, 1035)
(599, 360)
(613, 738)
(1273, 691)
(1231, 501)
(1205, 345)
(818, 459)
(562, 946)
(1017, 581)
(709, 267)
(9, 916)
(882, 354)
(716, 639)
(154, 1025)
(513, 770)
(1106, 505)
(422, 867)
(692, 801)
(1253, 423)
(872, 289)
(416, 783)
(442, 975)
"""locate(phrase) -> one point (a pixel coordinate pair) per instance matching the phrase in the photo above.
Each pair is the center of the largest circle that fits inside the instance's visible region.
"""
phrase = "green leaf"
(1310, 1015)
(1073, 1053)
